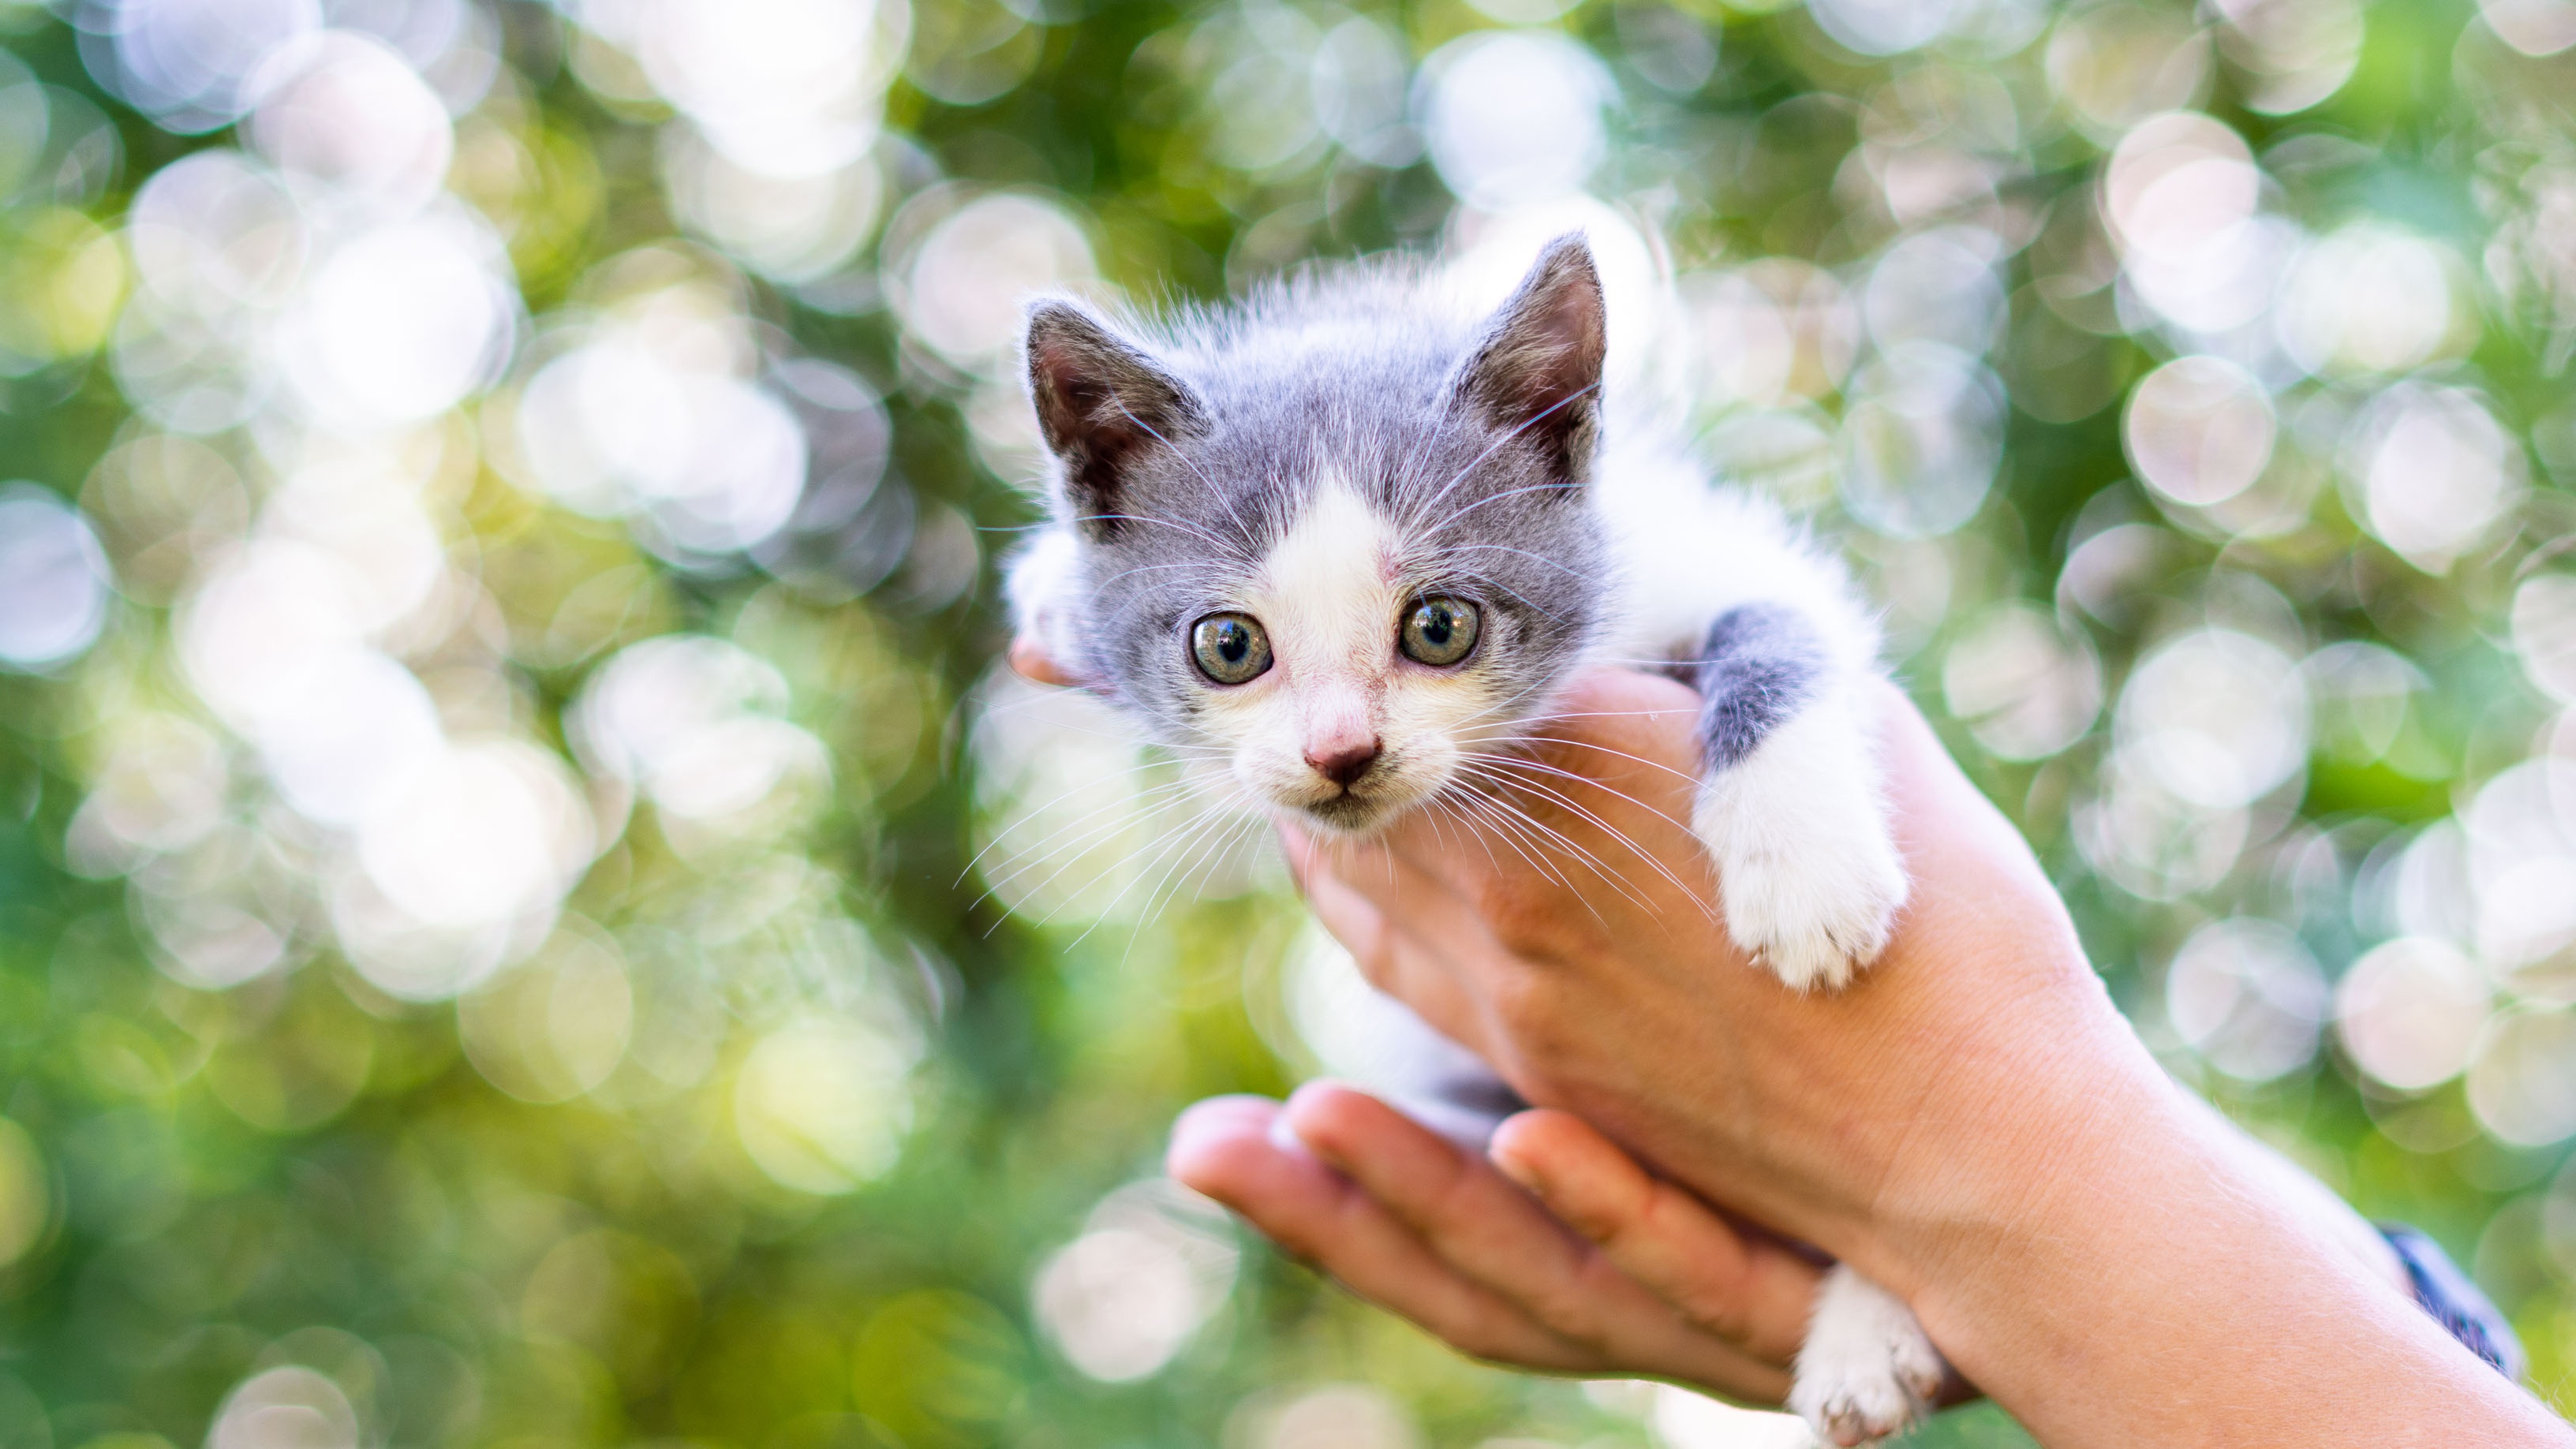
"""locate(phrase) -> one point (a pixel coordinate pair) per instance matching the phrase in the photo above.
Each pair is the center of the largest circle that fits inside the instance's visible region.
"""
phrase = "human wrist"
(2037, 1116)
(2111, 1295)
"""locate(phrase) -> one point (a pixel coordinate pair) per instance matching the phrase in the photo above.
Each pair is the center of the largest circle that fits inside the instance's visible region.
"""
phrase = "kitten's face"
(1333, 560)
(1360, 662)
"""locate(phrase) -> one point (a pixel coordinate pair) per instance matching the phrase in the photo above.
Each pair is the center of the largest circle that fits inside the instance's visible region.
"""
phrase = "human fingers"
(1031, 661)
(1593, 801)
(1749, 1291)
(1494, 1234)
(1389, 924)
(1228, 1149)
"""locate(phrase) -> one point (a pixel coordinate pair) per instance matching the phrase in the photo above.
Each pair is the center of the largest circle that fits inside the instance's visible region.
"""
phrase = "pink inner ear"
(1546, 352)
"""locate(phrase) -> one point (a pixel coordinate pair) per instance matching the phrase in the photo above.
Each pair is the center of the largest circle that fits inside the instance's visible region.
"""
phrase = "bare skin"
(1972, 1125)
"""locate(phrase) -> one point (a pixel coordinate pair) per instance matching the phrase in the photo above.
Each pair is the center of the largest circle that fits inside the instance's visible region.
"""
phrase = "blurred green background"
(528, 919)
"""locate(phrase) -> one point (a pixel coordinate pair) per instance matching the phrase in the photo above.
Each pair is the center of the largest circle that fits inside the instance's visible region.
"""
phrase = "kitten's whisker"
(1187, 461)
(1601, 749)
(1059, 798)
(1173, 858)
(1506, 771)
(1497, 446)
(1523, 762)
(1498, 820)
(1198, 533)
(1485, 825)
(1509, 701)
(1199, 564)
(1157, 843)
(1452, 521)
(1570, 804)
(1520, 822)
(1037, 858)
(1100, 820)
(1445, 549)
(1228, 839)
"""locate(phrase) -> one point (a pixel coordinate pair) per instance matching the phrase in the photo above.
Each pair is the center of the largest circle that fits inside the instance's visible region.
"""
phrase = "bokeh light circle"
(2220, 718)
(1514, 118)
(2199, 430)
(53, 580)
(2410, 1012)
(2247, 995)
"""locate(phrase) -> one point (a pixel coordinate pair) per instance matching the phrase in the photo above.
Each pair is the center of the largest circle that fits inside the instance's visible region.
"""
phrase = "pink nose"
(1344, 764)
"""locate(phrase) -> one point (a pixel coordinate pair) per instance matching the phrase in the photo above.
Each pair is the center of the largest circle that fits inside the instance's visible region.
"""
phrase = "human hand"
(1589, 1265)
(1971, 1125)
(1578, 952)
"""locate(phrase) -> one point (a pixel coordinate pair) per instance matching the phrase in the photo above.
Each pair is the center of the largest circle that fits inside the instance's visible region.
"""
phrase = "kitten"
(1335, 541)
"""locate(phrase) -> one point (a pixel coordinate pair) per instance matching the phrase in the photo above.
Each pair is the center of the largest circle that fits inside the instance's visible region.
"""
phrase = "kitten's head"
(1336, 545)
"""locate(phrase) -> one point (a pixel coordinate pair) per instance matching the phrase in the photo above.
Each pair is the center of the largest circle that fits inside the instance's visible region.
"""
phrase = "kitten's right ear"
(1100, 401)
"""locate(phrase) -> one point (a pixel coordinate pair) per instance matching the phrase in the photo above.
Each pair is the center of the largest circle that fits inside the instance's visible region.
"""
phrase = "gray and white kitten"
(1336, 542)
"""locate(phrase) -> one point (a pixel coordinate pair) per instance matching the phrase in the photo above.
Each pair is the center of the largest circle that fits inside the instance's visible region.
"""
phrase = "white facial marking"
(1329, 595)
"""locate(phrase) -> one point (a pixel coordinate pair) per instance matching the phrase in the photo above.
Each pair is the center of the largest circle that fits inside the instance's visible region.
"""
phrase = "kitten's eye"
(1440, 630)
(1230, 648)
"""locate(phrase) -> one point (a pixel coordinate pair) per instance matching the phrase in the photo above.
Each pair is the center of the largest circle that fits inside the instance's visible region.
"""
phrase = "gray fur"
(1759, 669)
(1465, 449)
(1435, 421)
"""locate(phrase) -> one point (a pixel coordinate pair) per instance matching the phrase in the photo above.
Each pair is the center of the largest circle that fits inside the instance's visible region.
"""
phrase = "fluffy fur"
(1326, 458)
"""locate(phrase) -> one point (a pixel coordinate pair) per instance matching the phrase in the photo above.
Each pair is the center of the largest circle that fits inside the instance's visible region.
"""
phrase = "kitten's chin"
(1353, 815)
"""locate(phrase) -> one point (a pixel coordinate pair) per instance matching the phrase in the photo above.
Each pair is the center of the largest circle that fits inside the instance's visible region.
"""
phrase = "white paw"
(1866, 1372)
(1810, 875)
(1815, 920)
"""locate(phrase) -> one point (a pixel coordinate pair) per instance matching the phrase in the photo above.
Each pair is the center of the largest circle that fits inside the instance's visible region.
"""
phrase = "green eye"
(1230, 648)
(1440, 630)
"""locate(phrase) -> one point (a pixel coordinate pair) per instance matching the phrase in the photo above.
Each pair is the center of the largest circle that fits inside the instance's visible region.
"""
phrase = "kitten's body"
(1309, 474)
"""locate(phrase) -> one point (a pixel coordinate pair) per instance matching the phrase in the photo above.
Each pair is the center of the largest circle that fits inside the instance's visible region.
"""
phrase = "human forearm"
(1971, 1124)
(2160, 1287)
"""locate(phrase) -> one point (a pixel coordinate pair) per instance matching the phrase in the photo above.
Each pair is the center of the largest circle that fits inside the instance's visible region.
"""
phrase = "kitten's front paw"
(1866, 1372)
(1815, 919)
(1810, 874)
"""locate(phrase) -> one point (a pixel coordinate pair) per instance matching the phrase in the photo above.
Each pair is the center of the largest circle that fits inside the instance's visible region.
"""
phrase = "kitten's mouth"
(1349, 813)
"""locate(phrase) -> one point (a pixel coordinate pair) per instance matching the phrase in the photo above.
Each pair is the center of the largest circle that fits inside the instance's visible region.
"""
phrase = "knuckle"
(1572, 1320)
(1519, 918)
(1715, 1314)
(1374, 953)
(1470, 1335)
(1531, 1007)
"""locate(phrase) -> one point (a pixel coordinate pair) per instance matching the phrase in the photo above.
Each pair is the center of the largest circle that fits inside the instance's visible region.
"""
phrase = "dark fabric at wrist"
(2454, 1301)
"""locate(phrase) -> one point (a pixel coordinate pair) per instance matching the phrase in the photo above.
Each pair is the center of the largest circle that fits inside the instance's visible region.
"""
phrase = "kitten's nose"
(1343, 764)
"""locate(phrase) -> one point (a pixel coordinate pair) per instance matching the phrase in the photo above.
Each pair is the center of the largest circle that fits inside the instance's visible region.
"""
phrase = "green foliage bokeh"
(766, 1117)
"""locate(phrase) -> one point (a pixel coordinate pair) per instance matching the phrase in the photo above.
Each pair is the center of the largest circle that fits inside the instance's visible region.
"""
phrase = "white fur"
(1810, 875)
(1044, 582)
(1798, 828)
(1807, 863)
(1330, 595)
(1866, 1371)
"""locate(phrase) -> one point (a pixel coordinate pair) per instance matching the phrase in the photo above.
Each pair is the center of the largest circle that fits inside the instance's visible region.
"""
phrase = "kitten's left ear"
(1537, 373)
